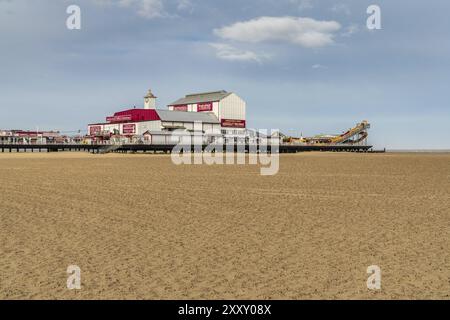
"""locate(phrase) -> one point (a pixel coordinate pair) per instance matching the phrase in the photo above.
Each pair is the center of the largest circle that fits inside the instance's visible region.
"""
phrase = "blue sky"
(302, 66)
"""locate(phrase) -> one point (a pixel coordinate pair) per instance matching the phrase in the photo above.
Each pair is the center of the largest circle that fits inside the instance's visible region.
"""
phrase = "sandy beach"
(140, 227)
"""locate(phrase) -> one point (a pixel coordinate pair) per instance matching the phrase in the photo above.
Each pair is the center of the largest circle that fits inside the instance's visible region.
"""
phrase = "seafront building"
(215, 114)
(34, 137)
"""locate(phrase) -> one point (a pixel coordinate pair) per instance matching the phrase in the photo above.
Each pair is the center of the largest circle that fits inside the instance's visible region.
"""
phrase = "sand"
(140, 227)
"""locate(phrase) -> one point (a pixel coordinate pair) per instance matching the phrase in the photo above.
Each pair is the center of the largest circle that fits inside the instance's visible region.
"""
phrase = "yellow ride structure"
(356, 135)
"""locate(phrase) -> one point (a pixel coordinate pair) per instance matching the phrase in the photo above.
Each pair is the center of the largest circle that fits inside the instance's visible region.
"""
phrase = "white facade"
(206, 127)
(186, 138)
(145, 126)
(229, 108)
(139, 128)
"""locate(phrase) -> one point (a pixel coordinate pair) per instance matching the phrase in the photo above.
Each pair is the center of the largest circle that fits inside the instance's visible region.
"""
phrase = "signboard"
(28, 134)
(205, 106)
(230, 123)
(126, 117)
(129, 128)
(94, 130)
(181, 107)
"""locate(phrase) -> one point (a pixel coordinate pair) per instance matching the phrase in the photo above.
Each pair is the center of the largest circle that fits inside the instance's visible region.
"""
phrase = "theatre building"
(218, 112)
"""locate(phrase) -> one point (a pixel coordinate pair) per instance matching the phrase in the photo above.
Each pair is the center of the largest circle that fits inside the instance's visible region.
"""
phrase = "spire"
(150, 100)
(150, 94)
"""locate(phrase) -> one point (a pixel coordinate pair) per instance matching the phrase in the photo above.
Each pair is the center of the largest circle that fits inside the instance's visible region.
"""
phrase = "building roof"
(184, 116)
(133, 115)
(140, 115)
(201, 97)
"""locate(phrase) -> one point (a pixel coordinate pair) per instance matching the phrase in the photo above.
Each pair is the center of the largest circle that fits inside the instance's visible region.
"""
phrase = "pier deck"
(104, 148)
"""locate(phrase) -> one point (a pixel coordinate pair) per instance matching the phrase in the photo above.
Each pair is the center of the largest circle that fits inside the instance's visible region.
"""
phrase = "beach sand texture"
(140, 227)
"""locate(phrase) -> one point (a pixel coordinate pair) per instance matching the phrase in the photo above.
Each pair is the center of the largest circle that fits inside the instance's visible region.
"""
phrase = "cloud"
(185, 5)
(227, 52)
(341, 8)
(303, 4)
(150, 8)
(306, 32)
(351, 29)
(145, 8)
(319, 66)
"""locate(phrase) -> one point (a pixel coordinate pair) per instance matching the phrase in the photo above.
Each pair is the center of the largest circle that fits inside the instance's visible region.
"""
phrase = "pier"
(166, 148)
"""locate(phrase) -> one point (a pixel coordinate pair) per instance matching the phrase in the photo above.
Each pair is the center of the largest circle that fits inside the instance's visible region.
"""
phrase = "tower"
(150, 100)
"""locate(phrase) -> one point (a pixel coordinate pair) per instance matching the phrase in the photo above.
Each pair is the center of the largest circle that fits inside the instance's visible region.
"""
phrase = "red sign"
(181, 107)
(28, 134)
(129, 128)
(230, 123)
(205, 106)
(93, 130)
(126, 117)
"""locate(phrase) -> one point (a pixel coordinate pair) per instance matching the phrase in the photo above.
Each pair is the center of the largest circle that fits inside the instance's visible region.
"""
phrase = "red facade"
(129, 128)
(205, 106)
(180, 107)
(94, 130)
(134, 115)
(231, 123)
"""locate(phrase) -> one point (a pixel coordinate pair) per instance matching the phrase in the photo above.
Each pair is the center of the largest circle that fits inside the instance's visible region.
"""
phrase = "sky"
(303, 66)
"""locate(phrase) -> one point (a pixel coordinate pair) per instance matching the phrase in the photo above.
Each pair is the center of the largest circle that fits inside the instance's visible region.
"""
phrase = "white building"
(228, 107)
(138, 121)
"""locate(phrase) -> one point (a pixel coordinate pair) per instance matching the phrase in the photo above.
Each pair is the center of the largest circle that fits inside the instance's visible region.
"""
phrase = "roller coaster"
(354, 136)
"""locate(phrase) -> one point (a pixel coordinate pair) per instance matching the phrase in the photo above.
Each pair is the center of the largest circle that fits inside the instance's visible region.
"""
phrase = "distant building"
(31, 137)
(218, 112)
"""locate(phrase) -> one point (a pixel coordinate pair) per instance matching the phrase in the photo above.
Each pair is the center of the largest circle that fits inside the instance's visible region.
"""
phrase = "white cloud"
(306, 32)
(146, 8)
(227, 52)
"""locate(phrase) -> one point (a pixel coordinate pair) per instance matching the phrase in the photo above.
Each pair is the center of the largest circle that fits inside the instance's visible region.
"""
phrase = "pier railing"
(167, 148)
